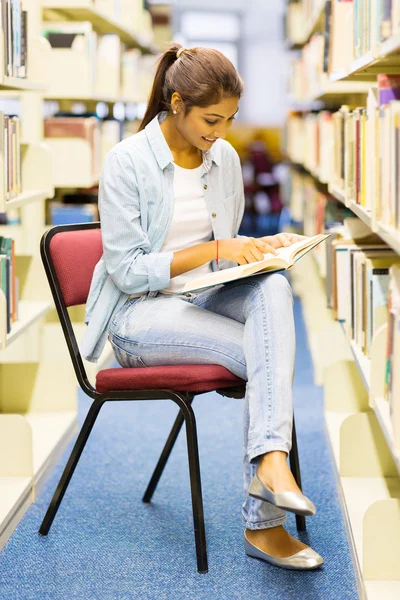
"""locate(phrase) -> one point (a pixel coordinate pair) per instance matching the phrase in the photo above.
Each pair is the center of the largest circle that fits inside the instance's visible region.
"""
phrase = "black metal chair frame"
(182, 399)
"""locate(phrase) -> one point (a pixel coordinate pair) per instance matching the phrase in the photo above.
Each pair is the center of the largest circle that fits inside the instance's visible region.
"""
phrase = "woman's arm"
(190, 258)
(127, 249)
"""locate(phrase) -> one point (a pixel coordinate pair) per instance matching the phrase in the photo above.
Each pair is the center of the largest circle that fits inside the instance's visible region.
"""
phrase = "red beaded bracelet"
(217, 252)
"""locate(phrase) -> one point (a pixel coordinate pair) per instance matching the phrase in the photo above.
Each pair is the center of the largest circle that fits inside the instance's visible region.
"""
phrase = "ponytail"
(157, 102)
(201, 76)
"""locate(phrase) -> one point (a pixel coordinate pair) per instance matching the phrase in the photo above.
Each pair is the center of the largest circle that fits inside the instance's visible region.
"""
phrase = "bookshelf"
(366, 465)
(84, 10)
(15, 83)
(37, 393)
(357, 414)
(38, 390)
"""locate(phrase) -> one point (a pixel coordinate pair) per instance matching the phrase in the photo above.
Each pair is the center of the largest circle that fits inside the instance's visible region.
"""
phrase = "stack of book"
(309, 142)
(392, 387)
(367, 151)
(14, 28)
(10, 152)
(9, 283)
(374, 21)
(101, 136)
(76, 207)
(351, 28)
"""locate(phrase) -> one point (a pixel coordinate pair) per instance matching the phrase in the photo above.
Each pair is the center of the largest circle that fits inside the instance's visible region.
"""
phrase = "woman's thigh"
(170, 330)
(237, 299)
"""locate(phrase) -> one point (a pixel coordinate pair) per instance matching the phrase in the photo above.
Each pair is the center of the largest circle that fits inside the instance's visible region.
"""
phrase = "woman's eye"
(210, 122)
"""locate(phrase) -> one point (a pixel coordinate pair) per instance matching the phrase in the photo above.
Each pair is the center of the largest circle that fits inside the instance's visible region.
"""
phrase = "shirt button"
(214, 215)
(205, 186)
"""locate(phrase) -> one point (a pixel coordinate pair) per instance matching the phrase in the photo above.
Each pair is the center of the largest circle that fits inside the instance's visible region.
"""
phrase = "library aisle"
(317, 134)
(105, 543)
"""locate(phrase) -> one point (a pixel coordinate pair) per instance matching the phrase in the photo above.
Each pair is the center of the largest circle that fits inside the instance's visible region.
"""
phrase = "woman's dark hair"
(201, 76)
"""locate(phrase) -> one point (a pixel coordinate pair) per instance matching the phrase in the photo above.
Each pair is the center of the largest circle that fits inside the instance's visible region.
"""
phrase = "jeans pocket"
(126, 359)
(121, 311)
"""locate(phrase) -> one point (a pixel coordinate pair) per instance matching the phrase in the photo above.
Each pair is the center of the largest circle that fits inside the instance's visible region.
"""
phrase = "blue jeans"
(246, 326)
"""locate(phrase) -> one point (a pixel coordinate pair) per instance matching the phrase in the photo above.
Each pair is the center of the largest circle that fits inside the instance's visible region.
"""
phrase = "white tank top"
(190, 224)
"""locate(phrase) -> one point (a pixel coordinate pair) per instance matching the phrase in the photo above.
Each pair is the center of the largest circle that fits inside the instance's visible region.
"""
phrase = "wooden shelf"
(390, 235)
(94, 98)
(361, 212)
(381, 409)
(17, 83)
(334, 90)
(83, 10)
(358, 494)
(27, 197)
(15, 498)
(337, 193)
(29, 312)
(382, 59)
(51, 432)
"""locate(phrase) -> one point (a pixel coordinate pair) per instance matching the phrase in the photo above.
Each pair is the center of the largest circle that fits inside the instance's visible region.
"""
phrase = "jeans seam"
(270, 524)
(267, 359)
(243, 364)
(261, 449)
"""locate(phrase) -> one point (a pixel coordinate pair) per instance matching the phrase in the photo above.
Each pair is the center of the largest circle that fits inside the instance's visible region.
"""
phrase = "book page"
(295, 251)
(270, 262)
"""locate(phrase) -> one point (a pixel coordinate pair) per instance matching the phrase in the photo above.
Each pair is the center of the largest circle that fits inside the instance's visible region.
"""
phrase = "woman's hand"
(282, 240)
(244, 250)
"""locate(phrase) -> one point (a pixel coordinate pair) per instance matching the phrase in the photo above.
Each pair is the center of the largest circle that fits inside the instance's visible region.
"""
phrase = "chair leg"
(162, 461)
(70, 467)
(295, 467)
(195, 485)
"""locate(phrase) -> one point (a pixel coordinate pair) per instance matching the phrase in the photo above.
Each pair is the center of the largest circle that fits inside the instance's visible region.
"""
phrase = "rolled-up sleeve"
(131, 264)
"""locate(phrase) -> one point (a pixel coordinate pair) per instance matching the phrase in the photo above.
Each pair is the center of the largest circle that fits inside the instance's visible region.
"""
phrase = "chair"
(69, 254)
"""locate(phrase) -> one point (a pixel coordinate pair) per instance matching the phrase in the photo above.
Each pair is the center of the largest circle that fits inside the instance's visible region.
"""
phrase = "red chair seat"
(182, 378)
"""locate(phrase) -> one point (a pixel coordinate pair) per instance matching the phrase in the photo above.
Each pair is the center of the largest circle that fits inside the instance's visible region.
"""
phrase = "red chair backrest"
(74, 255)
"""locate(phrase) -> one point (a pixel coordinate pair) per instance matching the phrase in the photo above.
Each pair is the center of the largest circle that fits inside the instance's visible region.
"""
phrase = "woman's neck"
(185, 154)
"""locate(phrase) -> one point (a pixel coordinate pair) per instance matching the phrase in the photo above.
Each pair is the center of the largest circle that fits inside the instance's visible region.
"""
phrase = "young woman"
(171, 202)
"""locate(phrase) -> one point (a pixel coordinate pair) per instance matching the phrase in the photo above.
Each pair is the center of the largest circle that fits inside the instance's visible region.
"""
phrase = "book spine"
(24, 44)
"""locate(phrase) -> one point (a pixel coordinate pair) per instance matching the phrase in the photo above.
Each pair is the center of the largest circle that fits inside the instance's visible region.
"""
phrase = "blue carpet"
(106, 544)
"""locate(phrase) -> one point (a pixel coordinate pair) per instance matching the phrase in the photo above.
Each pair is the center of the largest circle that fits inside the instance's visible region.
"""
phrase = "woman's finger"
(264, 247)
(284, 239)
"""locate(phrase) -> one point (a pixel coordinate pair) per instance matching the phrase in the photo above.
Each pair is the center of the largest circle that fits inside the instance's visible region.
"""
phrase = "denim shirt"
(136, 205)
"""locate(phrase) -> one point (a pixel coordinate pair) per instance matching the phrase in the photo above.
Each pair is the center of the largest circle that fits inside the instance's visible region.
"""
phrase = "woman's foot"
(275, 541)
(276, 546)
(274, 471)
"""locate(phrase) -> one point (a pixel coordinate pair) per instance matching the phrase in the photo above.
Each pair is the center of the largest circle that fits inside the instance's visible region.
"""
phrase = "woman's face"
(201, 127)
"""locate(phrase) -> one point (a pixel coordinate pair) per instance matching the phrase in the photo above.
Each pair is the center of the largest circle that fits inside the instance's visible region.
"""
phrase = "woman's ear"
(176, 102)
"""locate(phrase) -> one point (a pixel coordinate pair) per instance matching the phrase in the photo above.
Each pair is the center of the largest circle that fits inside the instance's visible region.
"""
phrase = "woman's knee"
(275, 285)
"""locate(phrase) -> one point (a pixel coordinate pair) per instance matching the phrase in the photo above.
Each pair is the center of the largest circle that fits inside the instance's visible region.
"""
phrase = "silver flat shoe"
(305, 560)
(290, 501)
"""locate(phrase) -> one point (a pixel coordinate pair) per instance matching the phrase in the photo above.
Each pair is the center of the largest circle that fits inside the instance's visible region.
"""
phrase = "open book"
(285, 259)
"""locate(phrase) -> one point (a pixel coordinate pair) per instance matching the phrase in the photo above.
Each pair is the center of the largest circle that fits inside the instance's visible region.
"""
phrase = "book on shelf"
(66, 214)
(10, 150)
(285, 259)
(8, 279)
(342, 273)
(86, 128)
(393, 353)
(14, 26)
(376, 293)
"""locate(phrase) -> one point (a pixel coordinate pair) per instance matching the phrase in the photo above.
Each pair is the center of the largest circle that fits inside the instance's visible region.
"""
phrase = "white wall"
(264, 64)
